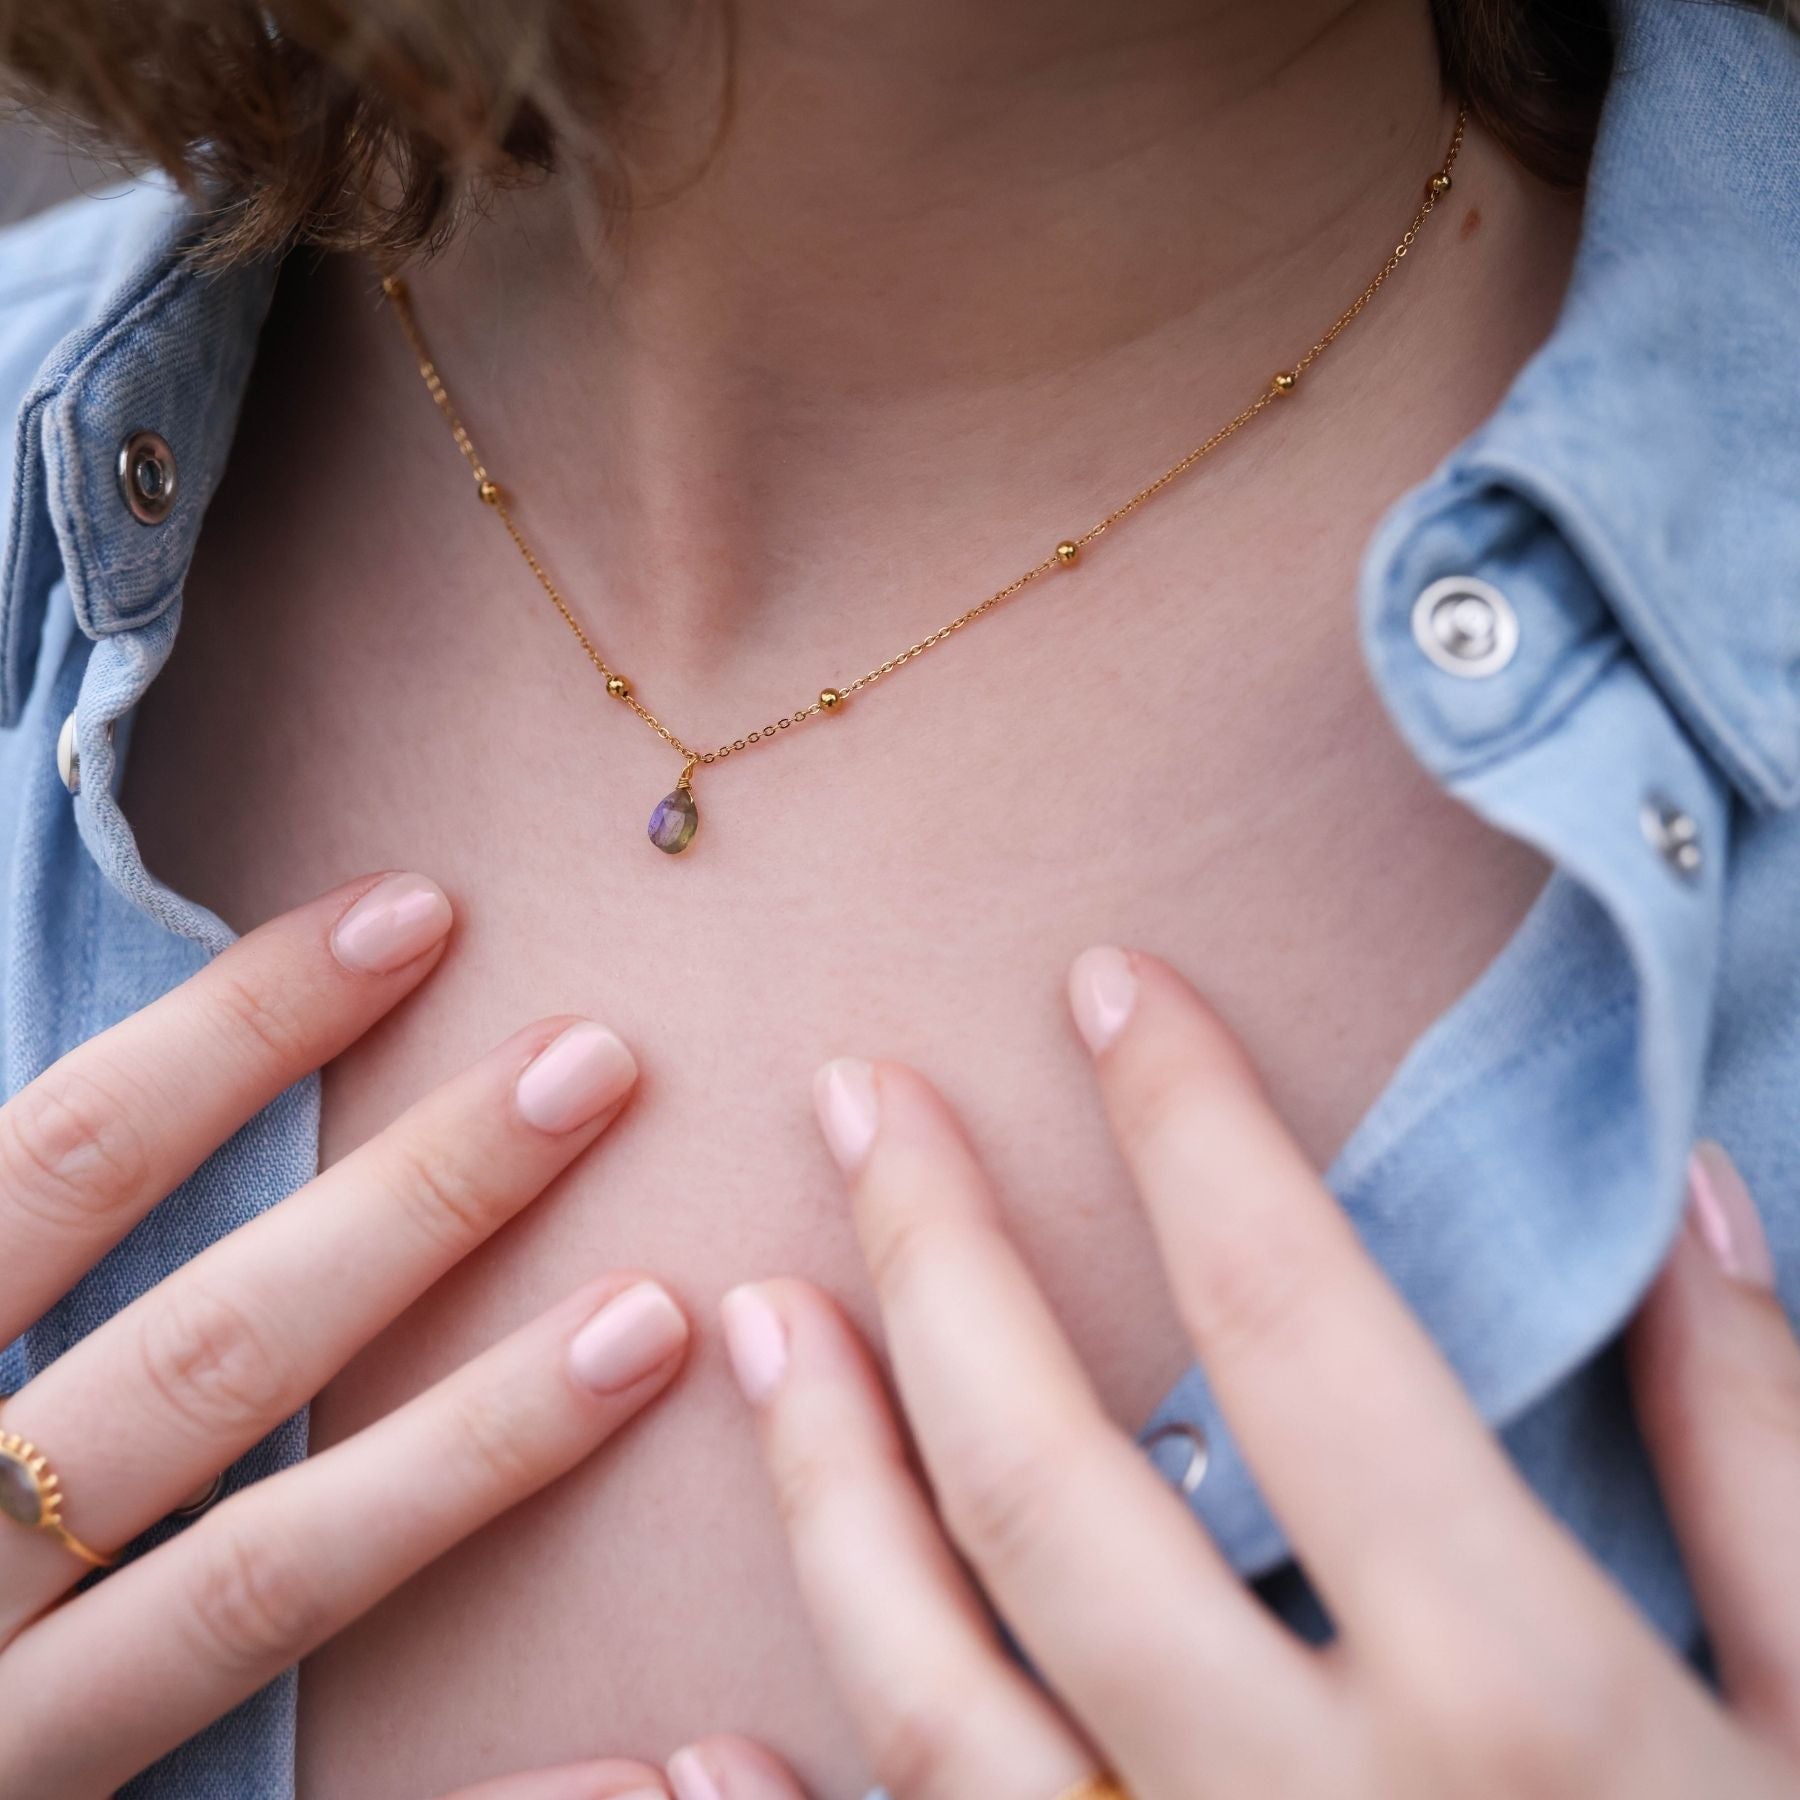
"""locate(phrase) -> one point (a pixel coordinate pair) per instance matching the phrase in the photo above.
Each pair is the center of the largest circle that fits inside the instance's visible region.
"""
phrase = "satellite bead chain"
(676, 819)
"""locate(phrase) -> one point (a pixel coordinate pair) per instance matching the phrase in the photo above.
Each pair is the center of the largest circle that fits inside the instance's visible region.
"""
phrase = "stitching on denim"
(32, 442)
(142, 313)
(1526, 737)
(1553, 1041)
(1673, 667)
(12, 605)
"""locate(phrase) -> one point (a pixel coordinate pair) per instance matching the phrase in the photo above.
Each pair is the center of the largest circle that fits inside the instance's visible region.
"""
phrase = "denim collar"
(1659, 427)
(1644, 429)
(170, 350)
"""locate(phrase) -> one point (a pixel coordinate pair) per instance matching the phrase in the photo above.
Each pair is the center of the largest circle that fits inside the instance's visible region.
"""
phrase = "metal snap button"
(147, 477)
(68, 756)
(1197, 1453)
(1673, 835)
(1466, 627)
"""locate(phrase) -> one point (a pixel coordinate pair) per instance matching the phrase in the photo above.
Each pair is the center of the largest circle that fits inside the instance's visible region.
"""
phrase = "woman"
(828, 324)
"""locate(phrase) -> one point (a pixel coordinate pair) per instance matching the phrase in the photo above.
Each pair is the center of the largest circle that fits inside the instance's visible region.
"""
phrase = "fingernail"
(631, 1336)
(691, 1779)
(1102, 991)
(844, 1094)
(755, 1341)
(396, 920)
(574, 1078)
(1725, 1218)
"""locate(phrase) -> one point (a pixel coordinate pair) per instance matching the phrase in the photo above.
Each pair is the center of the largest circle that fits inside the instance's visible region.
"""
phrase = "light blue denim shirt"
(1586, 624)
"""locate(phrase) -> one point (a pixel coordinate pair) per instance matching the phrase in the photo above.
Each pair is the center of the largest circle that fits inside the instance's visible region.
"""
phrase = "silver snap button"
(147, 477)
(1673, 835)
(68, 756)
(1466, 627)
(1196, 1453)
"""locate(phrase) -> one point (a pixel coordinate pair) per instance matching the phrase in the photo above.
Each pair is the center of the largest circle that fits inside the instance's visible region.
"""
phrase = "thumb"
(1715, 1372)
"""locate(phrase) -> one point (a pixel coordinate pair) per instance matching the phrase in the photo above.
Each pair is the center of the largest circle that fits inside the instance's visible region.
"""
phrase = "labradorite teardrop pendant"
(676, 819)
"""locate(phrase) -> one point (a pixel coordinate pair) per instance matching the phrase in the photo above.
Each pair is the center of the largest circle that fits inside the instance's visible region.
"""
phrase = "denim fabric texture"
(1636, 500)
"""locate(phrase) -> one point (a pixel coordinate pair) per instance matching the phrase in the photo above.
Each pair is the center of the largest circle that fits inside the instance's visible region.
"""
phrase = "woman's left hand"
(1478, 1651)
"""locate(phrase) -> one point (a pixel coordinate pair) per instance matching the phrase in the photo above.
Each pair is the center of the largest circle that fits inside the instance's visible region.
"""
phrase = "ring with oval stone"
(32, 1496)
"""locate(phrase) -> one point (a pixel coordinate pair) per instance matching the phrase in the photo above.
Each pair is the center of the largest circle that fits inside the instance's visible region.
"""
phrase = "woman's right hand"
(141, 1414)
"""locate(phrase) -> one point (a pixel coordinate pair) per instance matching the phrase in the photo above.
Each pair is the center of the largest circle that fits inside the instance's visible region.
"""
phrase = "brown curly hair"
(372, 124)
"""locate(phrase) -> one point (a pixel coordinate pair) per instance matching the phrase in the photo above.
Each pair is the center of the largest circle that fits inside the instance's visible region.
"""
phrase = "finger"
(1356, 1428)
(576, 1781)
(732, 1768)
(1100, 1569)
(184, 1380)
(1716, 1374)
(940, 1709)
(104, 1133)
(100, 1688)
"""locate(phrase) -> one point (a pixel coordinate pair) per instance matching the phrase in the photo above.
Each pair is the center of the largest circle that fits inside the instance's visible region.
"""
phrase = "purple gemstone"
(673, 824)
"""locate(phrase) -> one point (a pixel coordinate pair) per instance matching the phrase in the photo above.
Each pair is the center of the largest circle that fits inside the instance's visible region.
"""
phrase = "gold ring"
(1098, 1786)
(31, 1495)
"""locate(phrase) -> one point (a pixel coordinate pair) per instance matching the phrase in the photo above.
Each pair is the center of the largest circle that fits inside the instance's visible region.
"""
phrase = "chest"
(1195, 765)
(1175, 746)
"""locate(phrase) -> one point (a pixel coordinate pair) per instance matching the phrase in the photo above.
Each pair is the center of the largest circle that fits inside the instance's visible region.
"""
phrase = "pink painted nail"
(691, 1779)
(575, 1078)
(631, 1336)
(844, 1095)
(1102, 991)
(397, 920)
(1725, 1219)
(756, 1342)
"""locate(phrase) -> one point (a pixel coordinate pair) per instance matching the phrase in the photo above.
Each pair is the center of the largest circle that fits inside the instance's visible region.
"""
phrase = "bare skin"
(934, 304)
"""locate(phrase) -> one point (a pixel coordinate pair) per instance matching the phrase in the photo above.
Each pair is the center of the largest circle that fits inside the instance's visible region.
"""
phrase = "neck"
(951, 194)
(942, 268)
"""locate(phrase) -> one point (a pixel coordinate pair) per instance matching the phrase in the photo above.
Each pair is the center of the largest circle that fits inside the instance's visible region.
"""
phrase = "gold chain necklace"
(676, 818)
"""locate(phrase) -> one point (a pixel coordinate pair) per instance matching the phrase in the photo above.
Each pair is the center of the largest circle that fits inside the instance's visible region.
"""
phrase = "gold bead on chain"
(676, 818)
